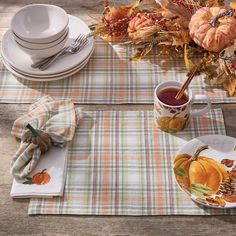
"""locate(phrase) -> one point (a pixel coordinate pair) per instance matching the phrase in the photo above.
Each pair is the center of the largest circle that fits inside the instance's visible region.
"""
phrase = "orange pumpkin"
(41, 178)
(142, 26)
(213, 28)
(200, 170)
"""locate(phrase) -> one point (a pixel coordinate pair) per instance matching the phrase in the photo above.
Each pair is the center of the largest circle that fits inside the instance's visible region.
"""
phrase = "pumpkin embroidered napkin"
(47, 179)
(58, 119)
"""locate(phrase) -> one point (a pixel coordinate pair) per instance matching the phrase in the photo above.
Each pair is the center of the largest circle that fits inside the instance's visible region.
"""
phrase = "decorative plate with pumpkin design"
(205, 169)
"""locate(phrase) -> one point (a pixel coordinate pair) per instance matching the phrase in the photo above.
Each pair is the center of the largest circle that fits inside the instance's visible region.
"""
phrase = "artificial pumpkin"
(116, 20)
(213, 28)
(200, 170)
(38, 137)
(143, 26)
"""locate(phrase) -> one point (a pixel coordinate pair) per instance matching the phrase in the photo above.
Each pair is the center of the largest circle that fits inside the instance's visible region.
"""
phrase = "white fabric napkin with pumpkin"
(39, 165)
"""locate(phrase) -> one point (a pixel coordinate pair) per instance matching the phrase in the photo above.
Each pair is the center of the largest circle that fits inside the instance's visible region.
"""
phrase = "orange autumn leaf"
(114, 24)
(123, 10)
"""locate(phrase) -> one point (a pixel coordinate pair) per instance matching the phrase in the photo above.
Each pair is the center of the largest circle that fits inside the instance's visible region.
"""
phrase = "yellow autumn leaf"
(213, 3)
(188, 62)
(143, 52)
(230, 85)
(233, 5)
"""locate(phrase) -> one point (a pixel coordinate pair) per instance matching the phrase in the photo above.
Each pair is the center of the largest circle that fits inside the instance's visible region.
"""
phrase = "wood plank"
(13, 214)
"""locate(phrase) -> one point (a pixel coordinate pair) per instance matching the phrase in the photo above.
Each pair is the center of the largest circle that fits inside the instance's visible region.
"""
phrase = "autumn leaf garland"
(164, 29)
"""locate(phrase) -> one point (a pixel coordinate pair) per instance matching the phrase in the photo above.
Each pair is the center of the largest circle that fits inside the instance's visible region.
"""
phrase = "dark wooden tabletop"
(13, 213)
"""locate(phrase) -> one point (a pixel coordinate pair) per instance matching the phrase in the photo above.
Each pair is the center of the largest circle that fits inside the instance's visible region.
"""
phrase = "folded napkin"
(47, 179)
(57, 118)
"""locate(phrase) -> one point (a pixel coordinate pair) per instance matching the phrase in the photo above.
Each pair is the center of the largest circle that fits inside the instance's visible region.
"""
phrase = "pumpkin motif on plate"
(213, 28)
(200, 171)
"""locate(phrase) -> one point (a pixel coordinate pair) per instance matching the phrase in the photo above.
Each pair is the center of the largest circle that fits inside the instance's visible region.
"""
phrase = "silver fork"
(74, 50)
(75, 47)
(37, 64)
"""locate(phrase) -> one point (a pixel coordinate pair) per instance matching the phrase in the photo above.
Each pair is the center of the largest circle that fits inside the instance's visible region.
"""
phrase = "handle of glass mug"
(200, 98)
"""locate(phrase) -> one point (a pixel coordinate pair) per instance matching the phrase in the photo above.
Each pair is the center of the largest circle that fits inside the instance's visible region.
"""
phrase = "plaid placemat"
(108, 79)
(119, 163)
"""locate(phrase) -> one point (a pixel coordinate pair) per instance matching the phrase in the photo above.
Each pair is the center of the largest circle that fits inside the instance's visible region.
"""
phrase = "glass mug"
(171, 118)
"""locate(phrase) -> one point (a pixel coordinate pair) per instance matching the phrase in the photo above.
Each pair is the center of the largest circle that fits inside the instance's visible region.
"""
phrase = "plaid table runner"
(107, 79)
(120, 164)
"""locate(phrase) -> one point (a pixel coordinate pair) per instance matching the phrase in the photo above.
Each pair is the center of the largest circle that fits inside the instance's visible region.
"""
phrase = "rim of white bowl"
(35, 49)
(18, 37)
(28, 38)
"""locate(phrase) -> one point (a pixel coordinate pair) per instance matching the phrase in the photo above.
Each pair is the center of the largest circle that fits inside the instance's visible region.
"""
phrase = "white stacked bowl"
(41, 30)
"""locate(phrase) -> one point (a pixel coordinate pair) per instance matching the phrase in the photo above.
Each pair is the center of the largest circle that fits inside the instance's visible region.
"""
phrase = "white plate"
(16, 57)
(219, 148)
(48, 76)
(45, 79)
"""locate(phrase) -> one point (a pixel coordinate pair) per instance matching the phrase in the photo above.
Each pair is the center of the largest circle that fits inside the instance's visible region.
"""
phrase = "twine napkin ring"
(37, 137)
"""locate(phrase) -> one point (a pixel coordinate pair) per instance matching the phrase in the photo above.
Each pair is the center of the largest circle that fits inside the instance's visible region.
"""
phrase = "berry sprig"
(186, 4)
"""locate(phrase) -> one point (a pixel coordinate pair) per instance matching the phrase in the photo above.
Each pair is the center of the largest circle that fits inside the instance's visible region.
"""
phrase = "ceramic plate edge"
(47, 76)
(48, 79)
(37, 73)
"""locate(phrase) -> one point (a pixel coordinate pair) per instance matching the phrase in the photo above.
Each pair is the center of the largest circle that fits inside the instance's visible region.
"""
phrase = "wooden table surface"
(13, 213)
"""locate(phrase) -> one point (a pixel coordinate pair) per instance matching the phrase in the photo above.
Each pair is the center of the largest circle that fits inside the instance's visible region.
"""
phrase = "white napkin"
(54, 164)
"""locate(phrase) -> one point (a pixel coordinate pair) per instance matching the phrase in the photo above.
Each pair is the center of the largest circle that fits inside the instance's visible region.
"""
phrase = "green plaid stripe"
(119, 163)
(108, 78)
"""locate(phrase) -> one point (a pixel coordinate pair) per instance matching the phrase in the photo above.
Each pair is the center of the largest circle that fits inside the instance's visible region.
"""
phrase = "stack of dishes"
(39, 31)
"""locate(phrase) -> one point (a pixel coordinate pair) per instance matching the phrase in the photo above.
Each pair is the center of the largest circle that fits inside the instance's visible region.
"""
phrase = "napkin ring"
(37, 137)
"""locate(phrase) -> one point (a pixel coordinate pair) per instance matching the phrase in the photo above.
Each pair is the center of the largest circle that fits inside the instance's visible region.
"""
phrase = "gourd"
(213, 28)
(143, 26)
(200, 170)
(37, 137)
